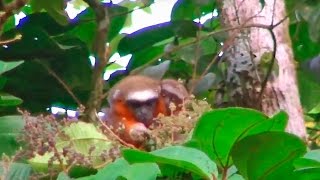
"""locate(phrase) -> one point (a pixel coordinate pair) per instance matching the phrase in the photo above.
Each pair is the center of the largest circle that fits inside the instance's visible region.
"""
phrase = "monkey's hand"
(139, 132)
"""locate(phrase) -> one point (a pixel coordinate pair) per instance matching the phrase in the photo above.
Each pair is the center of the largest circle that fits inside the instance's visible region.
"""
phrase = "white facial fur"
(142, 95)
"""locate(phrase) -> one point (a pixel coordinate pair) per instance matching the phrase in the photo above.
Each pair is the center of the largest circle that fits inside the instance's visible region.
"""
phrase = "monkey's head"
(136, 97)
(173, 92)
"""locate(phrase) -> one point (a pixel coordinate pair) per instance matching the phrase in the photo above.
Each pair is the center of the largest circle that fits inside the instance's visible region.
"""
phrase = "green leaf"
(3, 81)
(309, 91)
(310, 160)
(192, 9)
(16, 171)
(204, 84)
(313, 154)
(207, 46)
(303, 47)
(315, 110)
(66, 56)
(81, 137)
(113, 170)
(307, 174)
(84, 136)
(142, 171)
(151, 35)
(54, 8)
(188, 159)
(217, 131)
(268, 155)
(9, 100)
(144, 56)
(86, 24)
(303, 163)
(45, 22)
(157, 71)
(43, 46)
(314, 24)
(236, 177)
(9, 24)
(121, 168)
(7, 66)
(263, 3)
(10, 128)
(63, 176)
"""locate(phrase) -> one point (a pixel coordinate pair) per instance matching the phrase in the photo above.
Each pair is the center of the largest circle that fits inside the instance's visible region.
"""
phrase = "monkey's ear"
(174, 88)
(157, 71)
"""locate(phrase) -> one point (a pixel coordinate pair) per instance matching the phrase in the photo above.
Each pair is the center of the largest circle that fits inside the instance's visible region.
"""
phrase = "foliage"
(231, 143)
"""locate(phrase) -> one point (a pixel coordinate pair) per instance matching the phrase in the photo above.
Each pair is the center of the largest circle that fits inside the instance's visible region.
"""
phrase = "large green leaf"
(87, 26)
(188, 159)
(217, 131)
(71, 65)
(43, 46)
(192, 9)
(46, 22)
(113, 170)
(268, 155)
(16, 171)
(144, 56)
(148, 36)
(10, 127)
(54, 8)
(84, 136)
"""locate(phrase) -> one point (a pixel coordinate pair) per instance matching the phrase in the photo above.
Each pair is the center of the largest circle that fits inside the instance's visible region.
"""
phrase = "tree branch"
(7, 10)
(102, 54)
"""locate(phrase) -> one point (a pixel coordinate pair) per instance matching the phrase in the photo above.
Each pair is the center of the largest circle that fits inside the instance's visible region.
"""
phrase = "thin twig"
(64, 85)
(197, 54)
(16, 38)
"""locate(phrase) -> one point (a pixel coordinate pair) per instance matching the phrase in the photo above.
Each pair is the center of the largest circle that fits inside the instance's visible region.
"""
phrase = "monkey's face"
(143, 110)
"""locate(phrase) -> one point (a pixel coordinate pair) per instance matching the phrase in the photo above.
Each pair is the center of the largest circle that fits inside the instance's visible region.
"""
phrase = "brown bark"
(244, 83)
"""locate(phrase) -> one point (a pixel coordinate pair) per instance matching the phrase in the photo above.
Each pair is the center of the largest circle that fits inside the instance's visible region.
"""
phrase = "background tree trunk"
(244, 53)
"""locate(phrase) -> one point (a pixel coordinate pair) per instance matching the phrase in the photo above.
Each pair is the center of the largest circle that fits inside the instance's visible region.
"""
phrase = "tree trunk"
(244, 80)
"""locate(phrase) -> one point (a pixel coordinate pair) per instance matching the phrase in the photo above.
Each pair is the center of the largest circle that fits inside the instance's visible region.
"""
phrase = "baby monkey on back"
(136, 101)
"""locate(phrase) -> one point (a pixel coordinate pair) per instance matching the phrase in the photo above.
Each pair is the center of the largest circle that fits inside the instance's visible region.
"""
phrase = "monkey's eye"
(150, 101)
(135, 103)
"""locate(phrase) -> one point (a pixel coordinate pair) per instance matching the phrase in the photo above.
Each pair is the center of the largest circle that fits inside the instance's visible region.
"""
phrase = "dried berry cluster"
(43, 135)
(176, 129)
